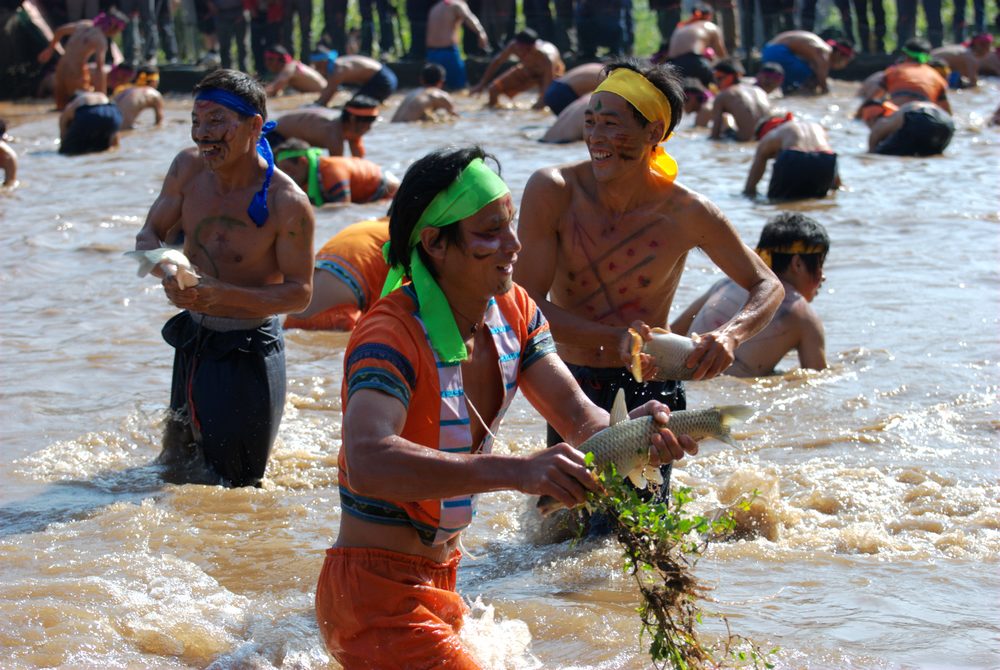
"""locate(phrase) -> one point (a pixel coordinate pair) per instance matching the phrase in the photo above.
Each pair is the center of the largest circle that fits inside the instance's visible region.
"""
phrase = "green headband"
(921, 57)
(476, 187)
(313, 154)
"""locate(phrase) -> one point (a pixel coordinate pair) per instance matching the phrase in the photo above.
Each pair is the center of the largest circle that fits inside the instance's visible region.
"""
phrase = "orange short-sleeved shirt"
(917, 81)
(389, 352)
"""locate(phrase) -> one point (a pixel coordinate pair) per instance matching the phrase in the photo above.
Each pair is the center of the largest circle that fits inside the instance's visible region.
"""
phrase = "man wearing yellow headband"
(140, 95)
(429, 372)
(794, 246)
(605, 241)
(329, 129)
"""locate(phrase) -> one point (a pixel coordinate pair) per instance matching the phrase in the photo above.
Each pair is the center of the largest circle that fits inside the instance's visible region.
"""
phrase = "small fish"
(669, 352)
(173, 262)
(626, 441)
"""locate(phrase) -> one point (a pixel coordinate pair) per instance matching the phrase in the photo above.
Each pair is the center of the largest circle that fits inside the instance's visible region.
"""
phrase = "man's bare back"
(133, 100)
(696, 38)
(584, 78)
(72, 73)
(423, 104)
(747, 103)
(319, 127)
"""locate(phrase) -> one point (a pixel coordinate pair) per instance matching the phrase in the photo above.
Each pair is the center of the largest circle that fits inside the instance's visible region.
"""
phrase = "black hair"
(771, 66)
(291, 144)
(917, 44)
(361, 101)
(729, 66)
(3, 127)
(664, 77)
(526, 36)
(238, 83)
(786, 229)
(278, 49)
(423, 180)
(432, 73)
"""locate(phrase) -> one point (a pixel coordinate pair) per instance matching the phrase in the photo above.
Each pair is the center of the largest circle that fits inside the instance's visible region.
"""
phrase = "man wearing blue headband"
(248, 230)
(605, 241)
(429, 372)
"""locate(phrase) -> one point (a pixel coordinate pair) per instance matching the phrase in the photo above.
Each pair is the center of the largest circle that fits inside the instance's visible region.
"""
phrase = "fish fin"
(654, 475)
(619, 412)
(730, 414)
(145, 264)
(635, 349)
(637, 478)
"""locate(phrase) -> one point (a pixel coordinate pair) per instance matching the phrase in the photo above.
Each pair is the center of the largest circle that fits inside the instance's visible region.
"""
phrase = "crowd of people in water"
(454, 303)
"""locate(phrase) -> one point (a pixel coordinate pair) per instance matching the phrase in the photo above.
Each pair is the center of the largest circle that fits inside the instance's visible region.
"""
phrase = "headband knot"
(257, 211)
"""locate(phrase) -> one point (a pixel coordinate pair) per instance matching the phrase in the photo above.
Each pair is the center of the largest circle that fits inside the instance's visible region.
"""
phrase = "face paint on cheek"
(627, 148)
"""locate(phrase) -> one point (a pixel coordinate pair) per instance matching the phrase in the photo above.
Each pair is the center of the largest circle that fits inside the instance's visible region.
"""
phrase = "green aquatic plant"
(662, 542)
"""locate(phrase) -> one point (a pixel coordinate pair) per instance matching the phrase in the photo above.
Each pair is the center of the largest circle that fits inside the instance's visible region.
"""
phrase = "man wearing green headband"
(605, 241)
(248, 230)
(913, 79)
(794, 246)
(429, 372)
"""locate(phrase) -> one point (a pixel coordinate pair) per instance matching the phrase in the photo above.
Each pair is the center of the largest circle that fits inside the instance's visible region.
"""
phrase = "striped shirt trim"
(383, 352)
(378, 379)
(341, 273)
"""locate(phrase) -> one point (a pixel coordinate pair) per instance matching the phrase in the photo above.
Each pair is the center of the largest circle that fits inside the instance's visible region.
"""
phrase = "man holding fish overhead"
(429, 371)
(248, 232)
(605, 242)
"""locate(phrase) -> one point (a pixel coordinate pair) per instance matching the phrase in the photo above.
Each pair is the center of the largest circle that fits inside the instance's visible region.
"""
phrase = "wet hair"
(844, 43)
(729, 66)
(662, 76)
(786, 229)
(432, 74)
(526, 36)
(237, 83)
(424, 179)
(770, 67)
(278, 49)
(361, 101)
(148, 69)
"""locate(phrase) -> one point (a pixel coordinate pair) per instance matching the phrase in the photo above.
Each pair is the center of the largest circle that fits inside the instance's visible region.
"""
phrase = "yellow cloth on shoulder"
(652, 104)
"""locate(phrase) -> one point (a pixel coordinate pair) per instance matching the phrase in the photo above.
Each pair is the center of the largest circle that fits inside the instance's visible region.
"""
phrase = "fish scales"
(669, 353)
(627, 443)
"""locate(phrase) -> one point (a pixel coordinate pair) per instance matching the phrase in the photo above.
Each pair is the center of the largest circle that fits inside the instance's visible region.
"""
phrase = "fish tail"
(729, 415)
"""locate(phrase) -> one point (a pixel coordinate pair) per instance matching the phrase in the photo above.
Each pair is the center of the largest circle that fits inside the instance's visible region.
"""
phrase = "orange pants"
(383, 610)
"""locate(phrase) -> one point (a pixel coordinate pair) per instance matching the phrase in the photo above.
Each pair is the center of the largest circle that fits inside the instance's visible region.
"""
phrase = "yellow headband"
(797, 247)
(652, 104)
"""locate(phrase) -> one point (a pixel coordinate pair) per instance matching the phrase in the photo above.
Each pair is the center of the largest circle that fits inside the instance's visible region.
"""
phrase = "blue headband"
(257, 211)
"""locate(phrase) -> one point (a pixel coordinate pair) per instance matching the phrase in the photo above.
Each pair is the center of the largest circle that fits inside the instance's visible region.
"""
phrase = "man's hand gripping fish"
(173, 262)
(625, 442)
(669, 352)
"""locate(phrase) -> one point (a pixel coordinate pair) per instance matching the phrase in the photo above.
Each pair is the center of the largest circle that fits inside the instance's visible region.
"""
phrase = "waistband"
(369, 554)
(225, 324)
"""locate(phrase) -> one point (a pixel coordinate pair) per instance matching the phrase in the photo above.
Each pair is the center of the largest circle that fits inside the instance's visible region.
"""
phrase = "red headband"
(842, 49)
(285, 57)
(772, 123)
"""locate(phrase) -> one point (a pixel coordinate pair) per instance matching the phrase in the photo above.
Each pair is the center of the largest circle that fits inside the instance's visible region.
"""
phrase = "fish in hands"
(172, 262)
(625, 442)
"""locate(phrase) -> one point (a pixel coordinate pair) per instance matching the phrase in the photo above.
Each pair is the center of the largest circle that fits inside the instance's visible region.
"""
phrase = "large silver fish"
(173, 262)
(625, 442)
(669, 352)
